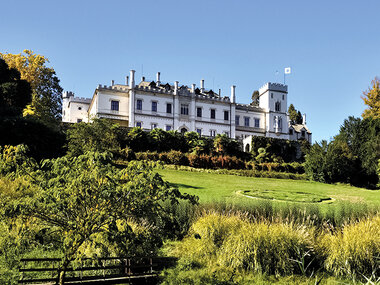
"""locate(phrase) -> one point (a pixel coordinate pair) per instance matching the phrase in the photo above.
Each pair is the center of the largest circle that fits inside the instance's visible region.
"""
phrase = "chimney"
(193, 88)
(112, 82)
(220, 92)
(143, 78)
(175, 87)
(202, 85)
(158, 78)
(304, 119)
(132, 75)
(127, 80)
(233, 97)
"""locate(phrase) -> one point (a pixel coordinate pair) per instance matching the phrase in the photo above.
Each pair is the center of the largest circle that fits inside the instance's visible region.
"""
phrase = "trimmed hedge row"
(241, 172)
(218, 162)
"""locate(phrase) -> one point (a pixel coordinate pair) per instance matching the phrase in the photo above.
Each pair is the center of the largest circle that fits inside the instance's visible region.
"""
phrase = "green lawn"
(237, 189)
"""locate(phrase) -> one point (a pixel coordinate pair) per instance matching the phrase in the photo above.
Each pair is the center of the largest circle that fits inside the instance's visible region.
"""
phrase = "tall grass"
(280, 242)
(353, 250)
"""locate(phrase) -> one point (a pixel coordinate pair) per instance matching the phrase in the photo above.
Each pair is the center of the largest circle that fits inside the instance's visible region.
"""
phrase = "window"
(199, 112)
(257, 123)
(139, 104)
(277, 106)
(291, 132)
(168, 127)
(271, 95)
(79, 108)
(79, 120)
(226, 115)
(283, 97)
(154, 106)
(114, 105)
(183, 131)
(138, 124)
(212, 133)
(303, 133)
(246, 121)
(154, 126)
(212, 113)
(184, 109)
(237, 120)
(169, 108)
(199, 131)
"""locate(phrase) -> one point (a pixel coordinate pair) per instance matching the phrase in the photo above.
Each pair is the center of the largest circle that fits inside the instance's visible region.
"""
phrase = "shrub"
(177, 158)
(199, 161)
(127, 154)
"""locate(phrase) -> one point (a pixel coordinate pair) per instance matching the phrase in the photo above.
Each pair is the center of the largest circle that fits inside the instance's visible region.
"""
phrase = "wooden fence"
(110, 270)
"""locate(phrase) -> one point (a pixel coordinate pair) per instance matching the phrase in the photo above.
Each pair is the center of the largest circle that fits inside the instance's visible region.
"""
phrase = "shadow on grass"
(180, 185)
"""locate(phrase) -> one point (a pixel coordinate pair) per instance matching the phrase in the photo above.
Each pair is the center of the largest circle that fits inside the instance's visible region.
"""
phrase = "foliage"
(371, 98)
(266, 149)
(330, 162)
(99, 136)
(294, 115)
(80, 198)
(255, 98)
(351, 157)
(223, 145)
(46, 91)
(15, 93)
(42, 141)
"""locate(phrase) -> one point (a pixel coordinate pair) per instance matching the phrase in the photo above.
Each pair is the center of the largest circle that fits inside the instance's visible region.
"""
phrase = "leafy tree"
(80, 198)
(294, 115)
(46, 91)
(371, 98)
(15, 93)
(137, 139)
(255, 98)
(101, 135)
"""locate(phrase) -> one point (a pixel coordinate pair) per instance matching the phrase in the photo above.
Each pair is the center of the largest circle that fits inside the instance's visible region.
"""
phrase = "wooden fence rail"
(110, 270)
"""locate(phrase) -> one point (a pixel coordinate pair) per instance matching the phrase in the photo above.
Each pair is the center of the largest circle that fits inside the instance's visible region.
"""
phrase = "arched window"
(247, 148)
(183, 131)
(277, 106)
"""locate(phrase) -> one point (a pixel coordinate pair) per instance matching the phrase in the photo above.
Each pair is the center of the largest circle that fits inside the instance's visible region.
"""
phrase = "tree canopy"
(295, 116)
(85, 199)
(46, 92)
(15, 93)
(371, 98)
(255, 98)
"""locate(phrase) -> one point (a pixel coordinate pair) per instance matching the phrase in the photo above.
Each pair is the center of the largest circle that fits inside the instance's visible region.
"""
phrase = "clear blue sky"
(333, 47)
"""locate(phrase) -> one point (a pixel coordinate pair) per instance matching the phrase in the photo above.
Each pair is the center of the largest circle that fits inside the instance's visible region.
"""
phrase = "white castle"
(153, 104)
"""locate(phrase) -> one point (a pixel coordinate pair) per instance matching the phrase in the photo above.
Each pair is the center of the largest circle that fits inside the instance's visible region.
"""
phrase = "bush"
(177, 158)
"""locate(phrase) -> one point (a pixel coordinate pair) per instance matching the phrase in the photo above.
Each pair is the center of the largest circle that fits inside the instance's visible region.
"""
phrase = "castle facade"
(154, 104)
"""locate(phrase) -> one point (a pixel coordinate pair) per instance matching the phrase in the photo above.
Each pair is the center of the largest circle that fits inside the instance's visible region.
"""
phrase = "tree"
(255, 98)
(80, 198)
(15, 93)
(294, 115)
(371, 98)
(46, 92)
(101, 135)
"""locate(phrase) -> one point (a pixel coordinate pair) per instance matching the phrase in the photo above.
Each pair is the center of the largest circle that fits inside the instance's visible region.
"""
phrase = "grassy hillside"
(245, 190)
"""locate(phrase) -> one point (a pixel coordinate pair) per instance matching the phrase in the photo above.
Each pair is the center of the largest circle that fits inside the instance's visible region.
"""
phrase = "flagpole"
(284, 77)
